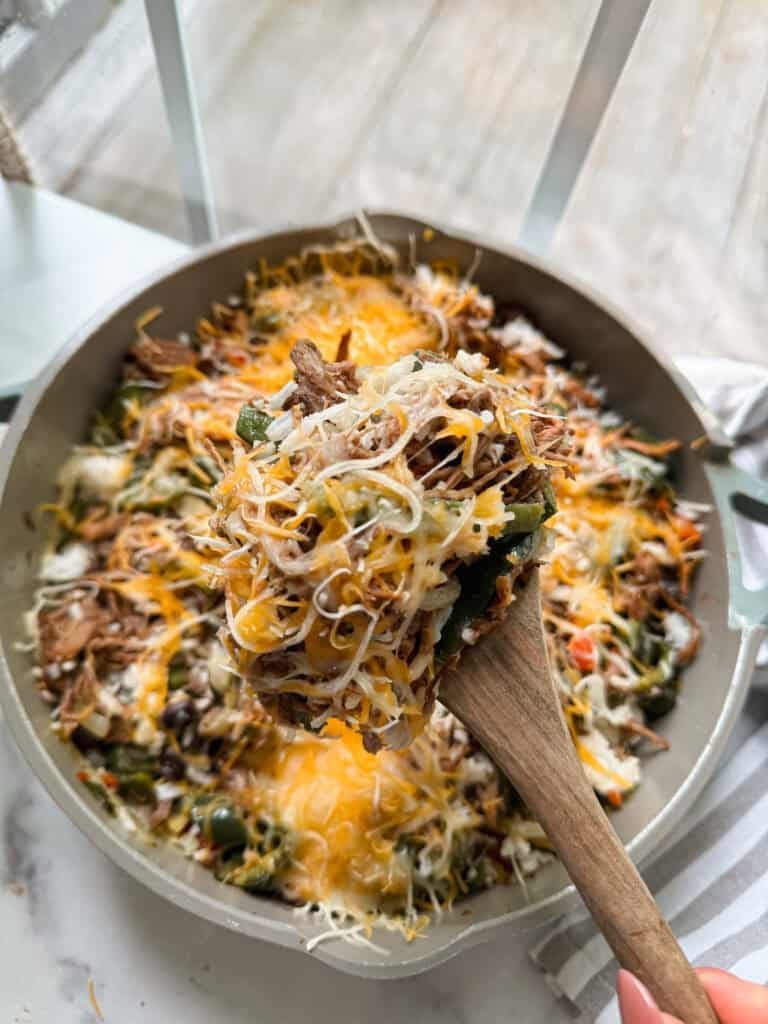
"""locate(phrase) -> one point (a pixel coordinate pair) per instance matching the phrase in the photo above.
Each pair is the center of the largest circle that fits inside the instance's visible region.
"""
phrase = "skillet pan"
(55, 413)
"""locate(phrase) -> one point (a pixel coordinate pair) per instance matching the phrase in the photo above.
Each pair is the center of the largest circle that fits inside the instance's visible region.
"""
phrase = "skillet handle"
(7, 405)
(739, 494)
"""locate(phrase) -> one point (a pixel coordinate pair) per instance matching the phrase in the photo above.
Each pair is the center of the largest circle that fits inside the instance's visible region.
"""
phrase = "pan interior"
(55, 415)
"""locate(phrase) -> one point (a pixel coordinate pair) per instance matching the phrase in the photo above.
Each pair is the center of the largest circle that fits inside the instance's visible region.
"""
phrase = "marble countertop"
(74, 923)
(70, 918)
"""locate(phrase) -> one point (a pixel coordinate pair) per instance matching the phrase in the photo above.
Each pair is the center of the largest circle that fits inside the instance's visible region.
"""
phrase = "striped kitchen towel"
(711, 883)
(711, 876)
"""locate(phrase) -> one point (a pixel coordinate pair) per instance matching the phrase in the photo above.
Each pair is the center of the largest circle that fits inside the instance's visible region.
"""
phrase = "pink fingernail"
(635, 1001)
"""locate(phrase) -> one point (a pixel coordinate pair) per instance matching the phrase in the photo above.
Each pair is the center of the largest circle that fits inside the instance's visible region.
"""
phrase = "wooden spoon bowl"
(503, 691)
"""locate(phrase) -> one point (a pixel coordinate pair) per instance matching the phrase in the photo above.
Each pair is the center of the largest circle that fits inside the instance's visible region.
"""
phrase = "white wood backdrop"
(669, 214)
(446, 108)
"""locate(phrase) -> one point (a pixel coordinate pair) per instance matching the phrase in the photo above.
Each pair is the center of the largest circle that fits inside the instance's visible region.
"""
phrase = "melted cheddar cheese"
(368, 830)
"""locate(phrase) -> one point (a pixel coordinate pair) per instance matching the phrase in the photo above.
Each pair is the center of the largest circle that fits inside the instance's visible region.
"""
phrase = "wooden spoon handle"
(612, 888)
(506, 697)
(557, 792)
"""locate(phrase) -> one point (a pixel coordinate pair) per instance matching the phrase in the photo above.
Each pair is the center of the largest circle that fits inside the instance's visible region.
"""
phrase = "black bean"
(172, 767)
(178, 714)
(215, 747)
(84, 741)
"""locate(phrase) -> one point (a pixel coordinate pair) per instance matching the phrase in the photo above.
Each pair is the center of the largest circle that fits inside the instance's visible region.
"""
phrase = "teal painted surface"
(732, 486)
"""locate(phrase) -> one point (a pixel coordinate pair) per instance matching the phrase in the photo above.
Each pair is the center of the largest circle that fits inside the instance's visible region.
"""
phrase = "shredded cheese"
(380, 839)
(333, 549)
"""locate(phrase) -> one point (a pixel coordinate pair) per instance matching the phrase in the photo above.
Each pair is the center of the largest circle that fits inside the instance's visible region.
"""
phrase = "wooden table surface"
(446, 108)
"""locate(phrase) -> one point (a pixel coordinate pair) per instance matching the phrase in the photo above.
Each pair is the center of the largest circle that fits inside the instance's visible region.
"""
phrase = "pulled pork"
(158, 359)
(65, 631)
(319, 384)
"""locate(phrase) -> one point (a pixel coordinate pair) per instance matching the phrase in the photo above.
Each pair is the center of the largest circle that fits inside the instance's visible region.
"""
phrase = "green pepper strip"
(478, 586)
(527, 516)
(656, 676)
(478, 579)
(252, 424)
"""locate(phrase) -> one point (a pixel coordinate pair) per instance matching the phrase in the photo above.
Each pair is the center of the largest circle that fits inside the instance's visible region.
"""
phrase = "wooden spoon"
(503, 691)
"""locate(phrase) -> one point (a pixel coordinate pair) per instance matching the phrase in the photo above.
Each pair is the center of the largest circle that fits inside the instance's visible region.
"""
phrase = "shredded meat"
(372, 743)
(320, 384)
(547, 432)
(636, 604)
(529, 482)
(225, 339)
(228, 319)
(158, 359)
(79, 699)
(160, 813)
(643, 586)
(65, 631)
(642, 730)
(451, 753)
(120, 635)
(99, 525)
(466, 398)
(468, 329)
(342, 352)
(685, 654)
(646, 568)
(531, 361)
(377, 438)
(494, 613)
(659, 450)
(118, 650)
(579, 394)
(277, 662)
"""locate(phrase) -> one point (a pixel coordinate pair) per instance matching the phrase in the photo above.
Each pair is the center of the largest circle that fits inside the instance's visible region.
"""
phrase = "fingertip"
(735, 1001)
(713, 973)
(636, 1003)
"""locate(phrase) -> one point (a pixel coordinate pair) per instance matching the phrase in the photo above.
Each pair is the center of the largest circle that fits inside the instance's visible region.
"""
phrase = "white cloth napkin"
(738, 395)
(711, 878)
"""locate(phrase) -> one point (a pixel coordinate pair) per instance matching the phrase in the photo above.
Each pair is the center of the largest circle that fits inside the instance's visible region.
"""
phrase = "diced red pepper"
(613, 796)
(685, 529)
(583, 651)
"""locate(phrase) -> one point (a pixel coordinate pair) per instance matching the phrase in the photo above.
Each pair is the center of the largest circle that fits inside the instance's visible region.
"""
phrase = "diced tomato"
(686, 530)
(110, 780)
(613, 796)
(583, 651)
